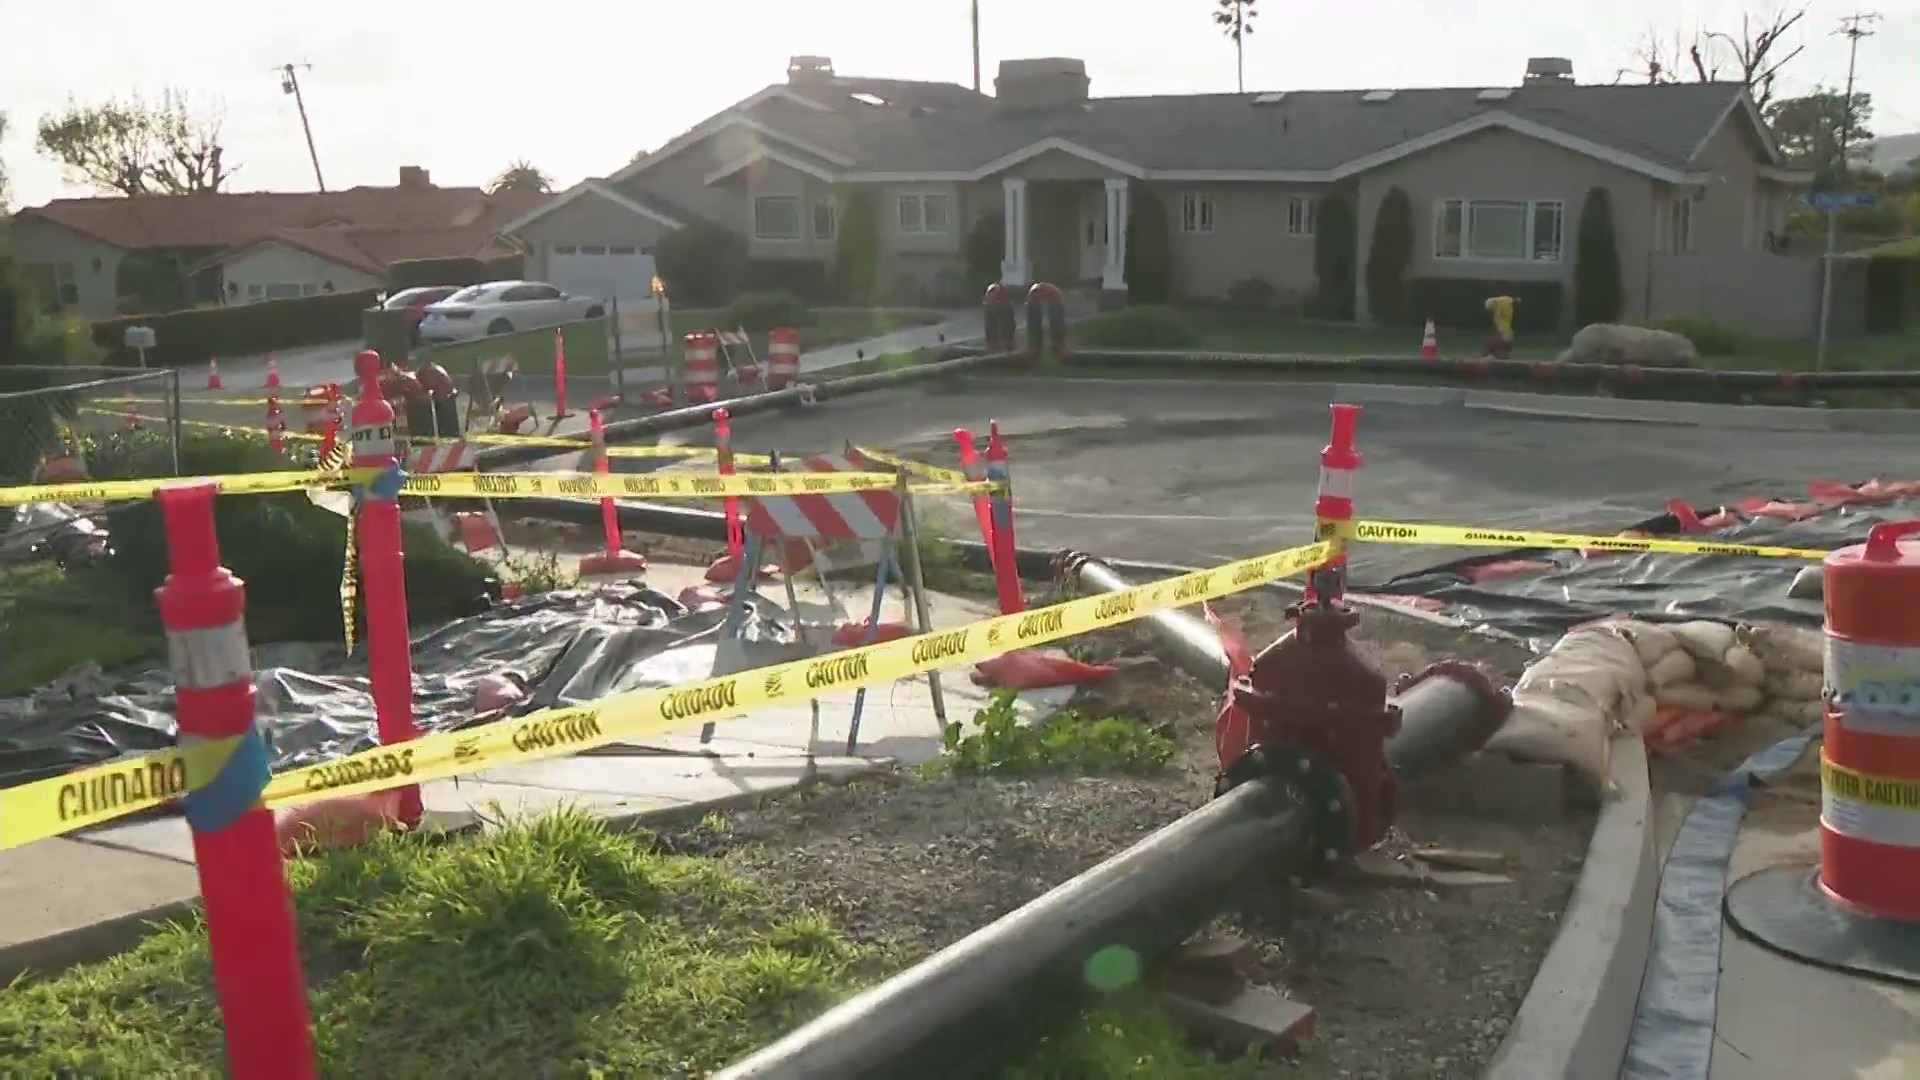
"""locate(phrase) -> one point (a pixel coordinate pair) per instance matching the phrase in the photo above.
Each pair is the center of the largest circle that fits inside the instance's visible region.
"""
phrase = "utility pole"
(290, 84)
(976, 46)
(1853, 28)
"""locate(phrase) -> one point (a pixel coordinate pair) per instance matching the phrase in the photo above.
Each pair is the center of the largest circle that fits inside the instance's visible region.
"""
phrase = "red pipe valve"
(1317, 715)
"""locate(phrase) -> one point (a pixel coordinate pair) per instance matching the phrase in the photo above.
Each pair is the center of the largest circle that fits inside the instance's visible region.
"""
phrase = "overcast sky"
(577, 87)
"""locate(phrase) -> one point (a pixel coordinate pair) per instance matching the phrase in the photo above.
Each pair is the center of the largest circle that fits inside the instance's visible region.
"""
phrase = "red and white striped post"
(613, 558)
(723, 449)
(1006, 559)
(1339, 462)
(383, 570)
(783, 357)
(250, 926)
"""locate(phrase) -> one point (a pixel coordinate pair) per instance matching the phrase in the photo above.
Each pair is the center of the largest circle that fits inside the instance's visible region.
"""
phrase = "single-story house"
(1497, 176)
(102, 255)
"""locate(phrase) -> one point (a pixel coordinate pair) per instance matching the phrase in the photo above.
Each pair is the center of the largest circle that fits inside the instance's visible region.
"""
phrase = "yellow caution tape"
(92, 796)
(661, 485)
(1399, 532)
(1884, 791)
(89, 491)
(915, 468)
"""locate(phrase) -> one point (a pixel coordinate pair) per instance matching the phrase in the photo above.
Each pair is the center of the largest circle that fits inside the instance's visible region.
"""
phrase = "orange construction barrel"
(1870, 764)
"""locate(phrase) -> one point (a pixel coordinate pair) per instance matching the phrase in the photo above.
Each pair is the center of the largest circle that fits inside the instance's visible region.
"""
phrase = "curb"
(1577, 1015)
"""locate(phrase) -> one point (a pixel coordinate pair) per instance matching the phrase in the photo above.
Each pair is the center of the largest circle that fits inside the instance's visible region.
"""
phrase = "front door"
(1093, 235)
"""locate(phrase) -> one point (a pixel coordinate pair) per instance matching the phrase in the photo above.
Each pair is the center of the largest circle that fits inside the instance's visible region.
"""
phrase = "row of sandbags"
(1668, 682)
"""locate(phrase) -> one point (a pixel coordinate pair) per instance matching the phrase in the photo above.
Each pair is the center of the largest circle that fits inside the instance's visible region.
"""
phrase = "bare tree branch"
(134, 148)
(1755, 56)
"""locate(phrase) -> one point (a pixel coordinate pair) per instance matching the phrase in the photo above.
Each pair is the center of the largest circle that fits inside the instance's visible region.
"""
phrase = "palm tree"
(521, 176)
(1235, 19)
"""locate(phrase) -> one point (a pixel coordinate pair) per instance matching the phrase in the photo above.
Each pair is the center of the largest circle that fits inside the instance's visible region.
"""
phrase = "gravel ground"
(1407, 981)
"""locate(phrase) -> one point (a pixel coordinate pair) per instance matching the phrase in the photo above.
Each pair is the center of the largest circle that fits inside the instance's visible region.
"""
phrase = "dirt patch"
(1408, 981)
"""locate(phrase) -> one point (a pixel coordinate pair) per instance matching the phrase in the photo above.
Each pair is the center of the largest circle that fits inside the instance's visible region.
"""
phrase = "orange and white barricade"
(700, 367)
(783, 357)
(737, 347)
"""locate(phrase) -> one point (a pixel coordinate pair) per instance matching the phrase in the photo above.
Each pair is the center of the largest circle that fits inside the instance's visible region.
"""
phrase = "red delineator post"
(560, 375)
(1006, 562)
(613, 558)
(723, 448)
(1339, 461)
(250, 927)
(383, 572)
(976, 472)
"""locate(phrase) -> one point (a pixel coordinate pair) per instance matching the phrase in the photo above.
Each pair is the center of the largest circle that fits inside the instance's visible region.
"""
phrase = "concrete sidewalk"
(87, 896)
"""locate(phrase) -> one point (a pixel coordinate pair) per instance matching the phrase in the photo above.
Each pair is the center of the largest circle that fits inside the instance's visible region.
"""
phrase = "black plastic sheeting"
(314, 703)
(1672, 1036)
(1539, 606)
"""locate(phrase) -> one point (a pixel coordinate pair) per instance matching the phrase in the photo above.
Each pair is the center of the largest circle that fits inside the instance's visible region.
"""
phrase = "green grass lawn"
(52, 622)
(551, 947)
(1258, 333)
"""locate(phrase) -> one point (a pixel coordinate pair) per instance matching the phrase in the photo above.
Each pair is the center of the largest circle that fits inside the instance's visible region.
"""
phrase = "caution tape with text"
(92, 796)
(1886, 792)
(1397, 532)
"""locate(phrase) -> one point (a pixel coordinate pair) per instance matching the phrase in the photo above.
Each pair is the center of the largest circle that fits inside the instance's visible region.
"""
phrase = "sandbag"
(1567, 705)
(1704, 639)
(1037, 669)
(1788, 648)
(346, 821)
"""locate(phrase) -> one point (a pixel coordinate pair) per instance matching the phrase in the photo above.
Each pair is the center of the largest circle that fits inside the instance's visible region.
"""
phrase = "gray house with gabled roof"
(1497, 175)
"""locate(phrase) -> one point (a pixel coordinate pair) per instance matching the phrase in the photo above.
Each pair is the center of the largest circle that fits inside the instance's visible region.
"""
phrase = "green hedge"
(415, 273)
(1462, 303)
(587, 350)
(189, 338)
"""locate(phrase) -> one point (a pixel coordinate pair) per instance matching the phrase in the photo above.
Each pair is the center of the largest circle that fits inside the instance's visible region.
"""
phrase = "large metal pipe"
(965, 1010)
(1192, 645)
(951, 363)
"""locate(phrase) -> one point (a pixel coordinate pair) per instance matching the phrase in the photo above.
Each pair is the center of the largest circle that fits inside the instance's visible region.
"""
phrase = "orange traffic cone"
(213, 373)
(1430, 343)
(273, 373)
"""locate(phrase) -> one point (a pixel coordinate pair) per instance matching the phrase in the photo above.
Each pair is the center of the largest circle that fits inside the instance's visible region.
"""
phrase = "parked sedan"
(414, 302)
(501, 307)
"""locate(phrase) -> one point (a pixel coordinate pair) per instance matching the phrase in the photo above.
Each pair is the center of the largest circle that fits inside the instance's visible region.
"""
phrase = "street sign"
(1831, 201)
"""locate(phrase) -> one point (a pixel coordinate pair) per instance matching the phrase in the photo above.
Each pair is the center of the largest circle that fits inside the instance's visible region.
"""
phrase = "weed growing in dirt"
(1064, 742)
(1129, 1038)
(537, 573)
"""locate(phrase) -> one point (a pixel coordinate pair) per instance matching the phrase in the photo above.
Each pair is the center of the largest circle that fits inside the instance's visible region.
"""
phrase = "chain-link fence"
(54, 419)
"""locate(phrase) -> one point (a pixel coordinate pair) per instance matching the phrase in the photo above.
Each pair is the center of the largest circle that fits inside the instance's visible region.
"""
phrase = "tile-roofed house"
(1497, 175)
(253, 245)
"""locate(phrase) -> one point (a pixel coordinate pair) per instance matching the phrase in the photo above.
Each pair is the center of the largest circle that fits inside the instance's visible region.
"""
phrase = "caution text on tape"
(92, 796)
(1886, 792)
(1399, 532)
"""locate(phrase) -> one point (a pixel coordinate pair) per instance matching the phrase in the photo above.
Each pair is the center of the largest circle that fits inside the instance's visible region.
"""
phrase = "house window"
(1498, 230)
(826, 220)
(1683, 225)
(254, 292)
(776, 217)
(1196, 213)
(1303, 214)
(309, 289)
(923, 213)
(283, 291)
(593, 249)
(563, 249)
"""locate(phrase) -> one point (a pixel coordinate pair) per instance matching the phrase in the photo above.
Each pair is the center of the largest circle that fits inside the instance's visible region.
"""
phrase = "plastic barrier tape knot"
(1398, 532)
(36, 811)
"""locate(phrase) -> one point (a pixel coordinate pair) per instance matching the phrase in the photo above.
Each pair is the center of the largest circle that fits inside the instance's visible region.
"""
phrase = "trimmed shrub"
(1149, 268)
(1146, 326)
(1336, 241)
(758, 313)
(804, 278)
(1461, 303)
(1598, 294)
(188, 338)
(505, 268)
(986, 249)
(1251, 294)
(282, 546)
(700, 264)
(1389, 256)
(415, 273)
(1709, 338)
(856, 252)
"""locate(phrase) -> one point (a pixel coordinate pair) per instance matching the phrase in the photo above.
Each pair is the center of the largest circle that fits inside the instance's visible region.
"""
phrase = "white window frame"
(827, 212)
(1530, 250)
(910, 213)
(1303, 215)
(791, 201)
(1197, 212)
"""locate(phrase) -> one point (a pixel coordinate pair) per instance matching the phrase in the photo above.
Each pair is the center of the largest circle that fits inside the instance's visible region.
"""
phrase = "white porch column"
(1113, 277)
(1015, 267)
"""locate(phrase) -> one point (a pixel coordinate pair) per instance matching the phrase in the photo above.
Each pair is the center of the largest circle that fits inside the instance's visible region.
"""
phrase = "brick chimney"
(414, 178)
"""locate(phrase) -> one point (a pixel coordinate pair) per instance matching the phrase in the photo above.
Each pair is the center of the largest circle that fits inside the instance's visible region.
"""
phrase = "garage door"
(617, 272)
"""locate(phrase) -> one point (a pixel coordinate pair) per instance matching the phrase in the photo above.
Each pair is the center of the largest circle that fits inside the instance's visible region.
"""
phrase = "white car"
(501, 307)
